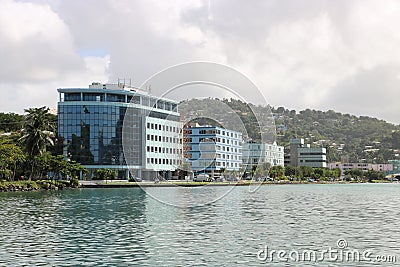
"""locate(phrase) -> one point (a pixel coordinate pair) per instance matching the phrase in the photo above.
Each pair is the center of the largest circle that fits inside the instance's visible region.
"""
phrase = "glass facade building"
(113, 126)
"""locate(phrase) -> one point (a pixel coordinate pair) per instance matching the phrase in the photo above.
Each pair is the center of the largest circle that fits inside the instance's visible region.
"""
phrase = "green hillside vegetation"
(344, 135)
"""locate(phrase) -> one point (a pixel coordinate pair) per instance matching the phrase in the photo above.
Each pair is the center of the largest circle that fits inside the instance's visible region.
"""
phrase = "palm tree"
(37, 133)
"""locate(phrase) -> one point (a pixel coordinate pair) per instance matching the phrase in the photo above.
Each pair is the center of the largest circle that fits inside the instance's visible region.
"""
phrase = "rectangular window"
(93, 97)
(115, 98)
(72, 97)
(135, 99)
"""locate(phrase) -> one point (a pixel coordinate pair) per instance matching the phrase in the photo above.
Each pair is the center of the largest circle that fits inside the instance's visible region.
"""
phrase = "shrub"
(102, 174)
(74, 182)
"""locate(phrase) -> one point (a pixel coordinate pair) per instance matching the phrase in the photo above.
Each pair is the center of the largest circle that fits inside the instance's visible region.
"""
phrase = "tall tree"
(37, 133)
(10, 156)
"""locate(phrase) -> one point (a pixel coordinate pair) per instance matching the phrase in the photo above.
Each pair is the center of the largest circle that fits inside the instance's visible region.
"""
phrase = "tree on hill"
(11, 122)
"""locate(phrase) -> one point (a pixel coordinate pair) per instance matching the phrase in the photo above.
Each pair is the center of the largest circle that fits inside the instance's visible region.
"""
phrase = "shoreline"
(90, 184)
(51, 185)
(37, 185)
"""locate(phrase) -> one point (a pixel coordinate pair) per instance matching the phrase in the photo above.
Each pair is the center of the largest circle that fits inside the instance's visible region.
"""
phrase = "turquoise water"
(129, 227)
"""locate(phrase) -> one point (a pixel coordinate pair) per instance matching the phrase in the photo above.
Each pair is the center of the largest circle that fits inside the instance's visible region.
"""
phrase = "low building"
(261, 153)
(213, 149)
(396, 166)
(361, 166)
(303, 155)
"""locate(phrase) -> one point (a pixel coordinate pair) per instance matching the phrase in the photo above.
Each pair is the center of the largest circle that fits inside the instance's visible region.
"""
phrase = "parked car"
(201, 178)
(135, 179)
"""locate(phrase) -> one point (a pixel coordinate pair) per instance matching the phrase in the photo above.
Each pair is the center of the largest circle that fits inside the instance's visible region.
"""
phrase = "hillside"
(344, 135)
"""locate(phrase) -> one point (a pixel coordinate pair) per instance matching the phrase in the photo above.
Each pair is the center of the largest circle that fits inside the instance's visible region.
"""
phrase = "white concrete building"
(260, 153)
(303, 155)
(213, 149)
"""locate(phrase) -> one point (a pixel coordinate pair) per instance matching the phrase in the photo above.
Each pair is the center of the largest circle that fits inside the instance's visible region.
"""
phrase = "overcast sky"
(342, 55)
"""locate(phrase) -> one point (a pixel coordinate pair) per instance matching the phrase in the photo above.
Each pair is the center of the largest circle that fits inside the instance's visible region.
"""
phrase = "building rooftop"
(119, 89)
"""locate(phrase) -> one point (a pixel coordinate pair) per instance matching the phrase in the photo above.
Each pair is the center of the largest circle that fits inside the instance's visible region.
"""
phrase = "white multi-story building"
(303, 155)
(213, 149)
(122, 128)
(259, 153)
(312, 156)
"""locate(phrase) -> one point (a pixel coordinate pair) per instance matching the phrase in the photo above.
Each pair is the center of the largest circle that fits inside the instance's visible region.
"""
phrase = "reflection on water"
(127, 227)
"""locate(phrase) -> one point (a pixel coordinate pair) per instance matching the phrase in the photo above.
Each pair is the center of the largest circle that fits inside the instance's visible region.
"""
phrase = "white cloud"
(35, 42)
(299, 52)
(39, 55)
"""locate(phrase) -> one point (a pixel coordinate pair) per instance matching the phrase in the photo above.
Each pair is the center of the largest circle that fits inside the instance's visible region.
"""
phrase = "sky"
(342, 55)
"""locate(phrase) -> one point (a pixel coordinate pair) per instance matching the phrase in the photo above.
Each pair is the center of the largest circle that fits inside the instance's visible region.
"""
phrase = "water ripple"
(126, 227)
